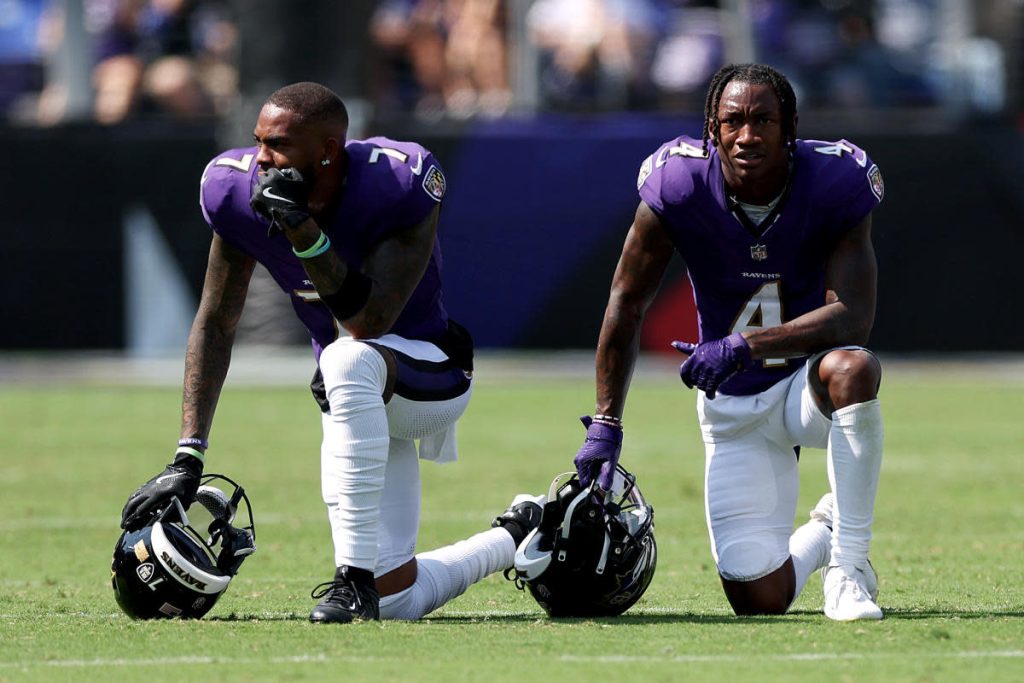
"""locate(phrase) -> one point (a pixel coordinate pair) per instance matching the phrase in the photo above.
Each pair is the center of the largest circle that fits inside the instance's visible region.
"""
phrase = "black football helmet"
(594, 553)
(168, 569)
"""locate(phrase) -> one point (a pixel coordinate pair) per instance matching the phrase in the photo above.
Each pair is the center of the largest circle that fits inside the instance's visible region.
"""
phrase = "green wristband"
(185, 450)
(319, 247)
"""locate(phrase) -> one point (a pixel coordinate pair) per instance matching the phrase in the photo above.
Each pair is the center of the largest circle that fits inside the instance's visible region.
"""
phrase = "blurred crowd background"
(112, 61)
(541, 111)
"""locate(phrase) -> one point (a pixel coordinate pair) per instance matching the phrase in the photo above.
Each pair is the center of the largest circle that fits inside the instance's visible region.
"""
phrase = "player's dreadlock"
(313, 103)
(757, 74)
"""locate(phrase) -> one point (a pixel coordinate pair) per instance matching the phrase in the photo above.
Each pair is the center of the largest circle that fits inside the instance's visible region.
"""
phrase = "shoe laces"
(848, 584)
(338, 591)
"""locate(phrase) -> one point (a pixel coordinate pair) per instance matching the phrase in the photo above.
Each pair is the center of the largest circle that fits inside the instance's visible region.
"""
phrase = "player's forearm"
(617, 349)
(832, 325)
(207, 358)
(326, 271)
(369, 317)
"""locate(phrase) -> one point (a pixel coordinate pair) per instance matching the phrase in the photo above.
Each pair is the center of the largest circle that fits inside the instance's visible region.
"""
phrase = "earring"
(325, 162)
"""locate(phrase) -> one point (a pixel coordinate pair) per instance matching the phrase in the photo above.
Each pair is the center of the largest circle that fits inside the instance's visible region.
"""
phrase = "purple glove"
(599, 454)
(712, 363)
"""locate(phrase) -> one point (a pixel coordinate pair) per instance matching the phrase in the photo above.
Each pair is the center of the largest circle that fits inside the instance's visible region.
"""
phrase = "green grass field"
(948, 544)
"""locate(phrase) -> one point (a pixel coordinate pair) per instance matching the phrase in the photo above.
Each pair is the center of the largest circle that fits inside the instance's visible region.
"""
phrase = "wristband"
(194, 442)
(185, 450)
(608, 418)
(319, 247)
(351, 297)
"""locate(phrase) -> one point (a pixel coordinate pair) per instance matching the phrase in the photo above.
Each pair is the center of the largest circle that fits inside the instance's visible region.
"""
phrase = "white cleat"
(822, 512)
(850, 593)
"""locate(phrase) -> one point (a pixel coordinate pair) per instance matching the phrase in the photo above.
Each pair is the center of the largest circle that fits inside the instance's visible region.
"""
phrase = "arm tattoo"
(326, 272)
(208, 353)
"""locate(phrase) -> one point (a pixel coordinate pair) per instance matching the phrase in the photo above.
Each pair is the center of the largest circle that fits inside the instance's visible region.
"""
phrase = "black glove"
(282, 195)
(180, 478)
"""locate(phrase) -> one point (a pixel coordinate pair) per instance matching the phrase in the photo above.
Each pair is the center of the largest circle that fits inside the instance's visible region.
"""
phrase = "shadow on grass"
(260, 616)
(912, 614)
(625, 620)
(797, 616)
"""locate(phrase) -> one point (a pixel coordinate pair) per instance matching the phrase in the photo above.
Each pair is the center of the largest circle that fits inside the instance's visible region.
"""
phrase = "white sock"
(854, 462)
(446, 573)
(810, 547)
(354, 452)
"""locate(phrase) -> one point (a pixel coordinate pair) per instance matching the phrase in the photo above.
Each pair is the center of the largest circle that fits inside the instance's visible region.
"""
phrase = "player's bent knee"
(355, 376)
(348, 361)
(850, 365)
(761, 596)
(752, 578)
(748, 560)
(850, 376)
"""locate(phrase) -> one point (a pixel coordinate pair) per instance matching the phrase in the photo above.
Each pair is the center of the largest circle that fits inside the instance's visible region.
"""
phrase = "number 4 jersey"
(747, 276)
(390, 186)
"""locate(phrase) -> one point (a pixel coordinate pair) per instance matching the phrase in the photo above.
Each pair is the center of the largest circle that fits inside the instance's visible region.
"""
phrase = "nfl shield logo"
(145, 572)
(759, 252)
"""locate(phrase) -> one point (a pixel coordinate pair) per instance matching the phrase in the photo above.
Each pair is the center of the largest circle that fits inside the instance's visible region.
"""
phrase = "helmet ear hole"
(594, 552)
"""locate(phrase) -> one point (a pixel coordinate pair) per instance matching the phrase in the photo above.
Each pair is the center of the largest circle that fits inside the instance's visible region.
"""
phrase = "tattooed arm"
(228, 272)
(645, 256)
(394, 267)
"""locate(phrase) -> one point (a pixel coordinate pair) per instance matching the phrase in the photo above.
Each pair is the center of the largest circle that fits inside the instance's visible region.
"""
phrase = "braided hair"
(757, 74)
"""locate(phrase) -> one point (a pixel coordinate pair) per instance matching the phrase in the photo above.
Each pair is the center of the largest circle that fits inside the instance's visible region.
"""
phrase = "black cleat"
(522, 516)
(351, 596)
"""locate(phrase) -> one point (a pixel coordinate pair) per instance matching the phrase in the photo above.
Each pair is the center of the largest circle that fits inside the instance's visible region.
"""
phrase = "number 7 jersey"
(390, 186)
(746, 277)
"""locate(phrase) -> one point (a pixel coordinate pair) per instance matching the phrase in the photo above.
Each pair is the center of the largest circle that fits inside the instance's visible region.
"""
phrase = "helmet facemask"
(168, 568)
(594, 552)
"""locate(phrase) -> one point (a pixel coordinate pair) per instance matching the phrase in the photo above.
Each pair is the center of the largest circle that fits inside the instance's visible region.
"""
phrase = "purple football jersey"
(742, 281)
(390, 186)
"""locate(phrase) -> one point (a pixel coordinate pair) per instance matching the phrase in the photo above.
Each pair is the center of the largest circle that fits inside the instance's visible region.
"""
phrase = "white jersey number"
(837, 149)
(397, 154)
(681, 150)
(387, 151)
(763, 309)
(237, 164)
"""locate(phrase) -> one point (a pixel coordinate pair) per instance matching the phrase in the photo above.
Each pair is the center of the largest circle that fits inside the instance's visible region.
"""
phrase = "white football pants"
(751, 477)
(369, 470)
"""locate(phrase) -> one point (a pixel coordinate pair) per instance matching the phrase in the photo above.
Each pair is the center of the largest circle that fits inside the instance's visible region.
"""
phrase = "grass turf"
(948, 544)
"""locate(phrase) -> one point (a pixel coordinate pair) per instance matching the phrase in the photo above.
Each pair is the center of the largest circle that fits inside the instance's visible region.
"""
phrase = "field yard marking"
(163, 662)
(616, 659)
(793, 657)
